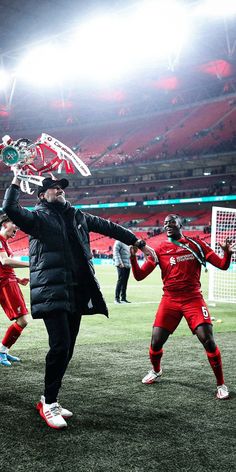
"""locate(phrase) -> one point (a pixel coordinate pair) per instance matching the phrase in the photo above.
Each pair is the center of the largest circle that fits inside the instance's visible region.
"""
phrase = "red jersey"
(6, 272)
(180, 269)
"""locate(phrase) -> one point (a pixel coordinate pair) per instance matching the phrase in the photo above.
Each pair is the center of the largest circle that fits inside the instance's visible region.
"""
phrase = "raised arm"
(148, 266)
(22, 217)
(222, 263)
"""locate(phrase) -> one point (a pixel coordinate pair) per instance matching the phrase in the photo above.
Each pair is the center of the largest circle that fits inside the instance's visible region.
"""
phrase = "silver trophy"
(23, 155)
(21, 152)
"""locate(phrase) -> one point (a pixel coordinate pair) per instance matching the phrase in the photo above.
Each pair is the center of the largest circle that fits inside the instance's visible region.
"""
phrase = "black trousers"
(121, 286)
(62, 329)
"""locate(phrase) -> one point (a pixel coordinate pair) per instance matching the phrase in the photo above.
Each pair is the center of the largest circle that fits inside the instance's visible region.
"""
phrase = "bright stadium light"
(159, 29)
(4, 79)
(216, 8)
(99, 49)
(43, 66)
(110, 47)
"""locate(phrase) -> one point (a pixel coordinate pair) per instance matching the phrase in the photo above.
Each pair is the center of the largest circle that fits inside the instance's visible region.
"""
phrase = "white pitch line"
(134, 303)
(130, 285)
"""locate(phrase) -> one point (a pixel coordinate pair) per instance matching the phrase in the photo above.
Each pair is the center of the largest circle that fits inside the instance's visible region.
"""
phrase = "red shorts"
(171, 311)
(12, 301)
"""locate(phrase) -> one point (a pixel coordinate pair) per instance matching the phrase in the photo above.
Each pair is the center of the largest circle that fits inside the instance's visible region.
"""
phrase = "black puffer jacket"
(50, 271)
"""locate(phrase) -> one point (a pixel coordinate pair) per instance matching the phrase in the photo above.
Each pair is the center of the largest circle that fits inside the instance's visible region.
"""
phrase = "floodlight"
(100, 49)
(4, 79)
(44, 65)
(159, 29)
(109, 47)
(216, 8)
(112, 46)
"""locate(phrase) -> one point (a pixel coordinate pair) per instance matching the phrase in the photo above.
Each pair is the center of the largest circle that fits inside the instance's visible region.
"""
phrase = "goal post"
(222, 284)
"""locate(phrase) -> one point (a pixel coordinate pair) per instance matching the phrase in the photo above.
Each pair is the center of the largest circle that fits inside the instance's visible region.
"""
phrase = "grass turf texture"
(119, 424)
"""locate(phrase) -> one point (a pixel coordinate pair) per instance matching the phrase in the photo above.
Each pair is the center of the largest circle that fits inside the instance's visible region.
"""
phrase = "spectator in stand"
(11, 298)
(180, 259)
(121, 257)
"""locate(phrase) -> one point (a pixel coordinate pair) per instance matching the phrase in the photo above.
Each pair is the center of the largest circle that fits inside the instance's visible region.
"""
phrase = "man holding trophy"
(62, 280)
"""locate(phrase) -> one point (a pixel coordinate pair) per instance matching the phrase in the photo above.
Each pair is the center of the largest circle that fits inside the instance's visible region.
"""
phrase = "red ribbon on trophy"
(53, 155)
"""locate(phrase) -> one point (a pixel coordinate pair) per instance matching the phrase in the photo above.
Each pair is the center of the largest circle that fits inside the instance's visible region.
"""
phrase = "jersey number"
(205, 312)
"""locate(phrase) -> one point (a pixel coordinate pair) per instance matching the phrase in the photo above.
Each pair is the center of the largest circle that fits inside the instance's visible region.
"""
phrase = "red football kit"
(180, 271)
(11, 298)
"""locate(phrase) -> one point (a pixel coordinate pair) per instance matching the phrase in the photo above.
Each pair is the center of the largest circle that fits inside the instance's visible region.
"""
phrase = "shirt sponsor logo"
(186, 257)
(172, 261)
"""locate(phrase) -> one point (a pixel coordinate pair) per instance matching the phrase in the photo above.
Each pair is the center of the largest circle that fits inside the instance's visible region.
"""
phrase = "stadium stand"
(161, 139)
(193, 129)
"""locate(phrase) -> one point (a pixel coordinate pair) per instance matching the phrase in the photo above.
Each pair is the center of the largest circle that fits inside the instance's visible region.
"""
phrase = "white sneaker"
(222, 392)
(63, 411)
(51, 414)
(152, 377)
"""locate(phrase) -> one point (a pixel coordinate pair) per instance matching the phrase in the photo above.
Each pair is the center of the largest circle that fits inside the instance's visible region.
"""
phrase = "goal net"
(222, 284)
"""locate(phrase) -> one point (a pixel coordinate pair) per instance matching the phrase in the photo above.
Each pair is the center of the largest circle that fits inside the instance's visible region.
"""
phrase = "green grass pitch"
(119, 424)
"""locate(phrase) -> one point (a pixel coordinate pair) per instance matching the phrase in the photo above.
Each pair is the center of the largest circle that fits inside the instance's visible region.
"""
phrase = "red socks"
(214, 359)
(11, 335)
(155, 358)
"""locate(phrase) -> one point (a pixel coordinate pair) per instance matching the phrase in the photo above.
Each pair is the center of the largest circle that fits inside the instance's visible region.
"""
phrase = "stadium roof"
(32, 21)
(29, 21)
(207, 64)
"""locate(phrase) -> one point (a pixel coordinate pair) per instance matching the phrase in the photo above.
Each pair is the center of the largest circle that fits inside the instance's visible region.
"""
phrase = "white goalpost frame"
(222, 284)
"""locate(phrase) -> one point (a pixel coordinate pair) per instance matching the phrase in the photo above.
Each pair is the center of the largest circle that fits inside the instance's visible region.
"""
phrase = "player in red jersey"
(11, 298)
(180, 259)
